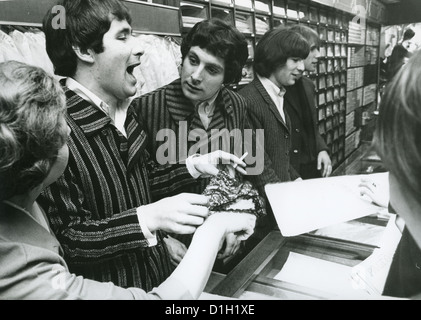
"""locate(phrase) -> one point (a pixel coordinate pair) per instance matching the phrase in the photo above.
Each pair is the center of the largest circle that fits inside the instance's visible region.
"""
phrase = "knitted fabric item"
(233, 194)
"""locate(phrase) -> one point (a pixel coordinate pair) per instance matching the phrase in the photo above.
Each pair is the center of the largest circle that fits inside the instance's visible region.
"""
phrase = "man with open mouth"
(101, 208)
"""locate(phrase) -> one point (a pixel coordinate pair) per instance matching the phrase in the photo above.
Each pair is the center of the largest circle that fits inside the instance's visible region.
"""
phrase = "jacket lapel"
(136, 137)
(89, 118)
(179, 107)
(293, 99)
(272, 107)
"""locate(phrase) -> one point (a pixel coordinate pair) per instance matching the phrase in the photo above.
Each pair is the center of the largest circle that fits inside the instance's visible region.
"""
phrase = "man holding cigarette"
(199, 115)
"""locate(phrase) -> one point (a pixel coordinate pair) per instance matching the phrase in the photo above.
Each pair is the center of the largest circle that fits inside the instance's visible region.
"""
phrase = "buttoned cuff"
(151, 238)
(191, 168)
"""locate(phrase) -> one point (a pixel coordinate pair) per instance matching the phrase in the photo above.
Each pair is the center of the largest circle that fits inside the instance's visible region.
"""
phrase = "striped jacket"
(169, 117)
(92, 207)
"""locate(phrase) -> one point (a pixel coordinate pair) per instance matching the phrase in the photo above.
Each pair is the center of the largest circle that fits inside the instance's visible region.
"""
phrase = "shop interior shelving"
(347, 77)
(346, 81)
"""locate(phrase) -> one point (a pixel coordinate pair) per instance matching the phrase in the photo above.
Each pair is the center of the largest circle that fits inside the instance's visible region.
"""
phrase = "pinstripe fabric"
(168, 108)
(264, 115)
(92, 207)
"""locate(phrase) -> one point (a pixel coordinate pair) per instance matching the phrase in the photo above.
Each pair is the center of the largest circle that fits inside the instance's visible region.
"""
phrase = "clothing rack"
(146, 17)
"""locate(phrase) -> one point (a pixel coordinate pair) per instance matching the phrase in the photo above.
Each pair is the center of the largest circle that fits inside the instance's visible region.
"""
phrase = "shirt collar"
(274, 91)
(211, 101)
(182, 108)
(87, 95)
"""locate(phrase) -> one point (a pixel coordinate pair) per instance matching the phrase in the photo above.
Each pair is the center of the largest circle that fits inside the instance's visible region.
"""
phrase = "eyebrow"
(125, 30)
(213, 65)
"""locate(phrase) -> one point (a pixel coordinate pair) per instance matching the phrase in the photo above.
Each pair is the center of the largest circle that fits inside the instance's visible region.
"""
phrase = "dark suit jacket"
(301, 108)
(264, 114)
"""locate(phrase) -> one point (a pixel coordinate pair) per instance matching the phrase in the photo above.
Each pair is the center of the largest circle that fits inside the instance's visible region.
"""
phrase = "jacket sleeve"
(320, 142)
(169, 179)
(42, 274)
(83, 236)
(294, 174)
(268, 175)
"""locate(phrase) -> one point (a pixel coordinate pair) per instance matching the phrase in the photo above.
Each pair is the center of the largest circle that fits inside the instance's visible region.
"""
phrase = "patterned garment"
(92, 207)
(228, 193)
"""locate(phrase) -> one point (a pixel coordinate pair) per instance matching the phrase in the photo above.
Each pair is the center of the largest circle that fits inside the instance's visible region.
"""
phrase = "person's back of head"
(275, 47)
(222, 40)
(32, 126)
(398, 133)
(85, 25)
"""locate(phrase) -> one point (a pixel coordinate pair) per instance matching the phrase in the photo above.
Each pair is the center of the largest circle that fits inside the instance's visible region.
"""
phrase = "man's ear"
(84, 55)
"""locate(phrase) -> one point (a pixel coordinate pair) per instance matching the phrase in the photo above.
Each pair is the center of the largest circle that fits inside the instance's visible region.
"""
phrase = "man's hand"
(232, 244)
(324, 163)
(378, 194)
(176, 248)
(181, 214)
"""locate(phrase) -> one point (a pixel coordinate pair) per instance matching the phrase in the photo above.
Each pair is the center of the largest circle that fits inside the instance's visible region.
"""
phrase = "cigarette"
(242, 158)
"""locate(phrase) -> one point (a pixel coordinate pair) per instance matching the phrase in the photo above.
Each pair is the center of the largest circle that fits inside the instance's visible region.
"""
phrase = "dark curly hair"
(224, 41)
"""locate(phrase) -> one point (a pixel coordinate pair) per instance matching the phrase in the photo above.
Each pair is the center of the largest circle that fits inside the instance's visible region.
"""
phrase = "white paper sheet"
(334, 279)
(371, 274)
(303, 206)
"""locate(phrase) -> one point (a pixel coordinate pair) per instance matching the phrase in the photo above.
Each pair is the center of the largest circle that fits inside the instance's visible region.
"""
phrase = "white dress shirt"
(206, 110)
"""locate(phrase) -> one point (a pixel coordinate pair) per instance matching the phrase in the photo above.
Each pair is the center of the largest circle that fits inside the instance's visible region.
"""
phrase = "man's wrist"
(148, 234)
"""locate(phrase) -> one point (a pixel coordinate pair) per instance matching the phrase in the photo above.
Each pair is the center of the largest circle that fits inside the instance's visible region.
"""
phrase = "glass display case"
(324, 264)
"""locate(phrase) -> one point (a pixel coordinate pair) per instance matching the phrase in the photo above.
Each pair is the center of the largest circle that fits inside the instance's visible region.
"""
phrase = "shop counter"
(319, 265)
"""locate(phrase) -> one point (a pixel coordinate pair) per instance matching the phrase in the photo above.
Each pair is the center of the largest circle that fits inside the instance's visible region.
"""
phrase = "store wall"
(405, 12)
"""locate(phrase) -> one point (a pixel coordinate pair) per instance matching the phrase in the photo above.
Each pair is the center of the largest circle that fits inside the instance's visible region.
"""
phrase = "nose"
(197, 75)
(300, 65)
(137, 49)
(317, 54)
